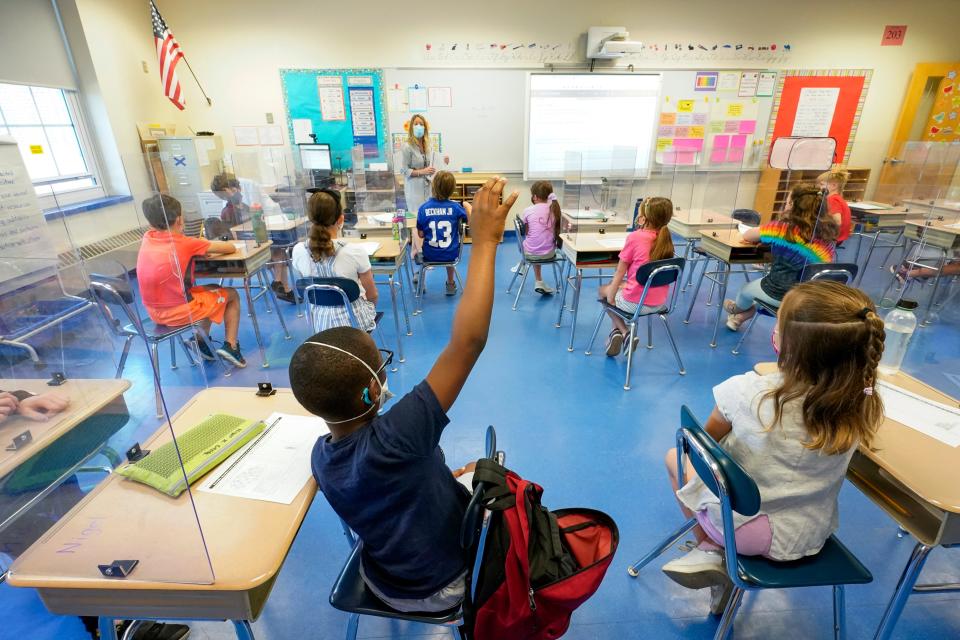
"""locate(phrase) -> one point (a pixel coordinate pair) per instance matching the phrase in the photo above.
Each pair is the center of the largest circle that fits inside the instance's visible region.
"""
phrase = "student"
(240, 194)
(651, 241)
(385, 475)
(907, 271)
(162, 269)
(543, 230)
(796, 239)
(794, 432)
(324, 256)
(834, 182)
(33, 406)
(438, 223)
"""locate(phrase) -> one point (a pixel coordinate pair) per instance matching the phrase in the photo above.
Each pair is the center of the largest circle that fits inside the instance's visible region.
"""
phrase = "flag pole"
(197, 80)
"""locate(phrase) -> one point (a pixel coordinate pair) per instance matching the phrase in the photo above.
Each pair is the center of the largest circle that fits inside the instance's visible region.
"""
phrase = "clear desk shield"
(85, 395)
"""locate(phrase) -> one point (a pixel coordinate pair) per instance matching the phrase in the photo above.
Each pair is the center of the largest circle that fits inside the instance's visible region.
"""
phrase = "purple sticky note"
(665, 131)
(721, 142)
(718, 156)
(748, 126)
(699, 118)
(731, 126)
(738, 142)
(735, 155)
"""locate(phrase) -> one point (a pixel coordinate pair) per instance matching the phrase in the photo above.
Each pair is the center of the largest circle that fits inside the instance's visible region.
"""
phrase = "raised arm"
(471, 324)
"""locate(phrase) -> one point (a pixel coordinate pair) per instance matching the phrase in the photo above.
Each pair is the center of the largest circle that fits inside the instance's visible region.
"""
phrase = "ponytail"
(320, 243)
(555, 212)
(324, 211)
(662, 246)
(657, 213)
(874, 350)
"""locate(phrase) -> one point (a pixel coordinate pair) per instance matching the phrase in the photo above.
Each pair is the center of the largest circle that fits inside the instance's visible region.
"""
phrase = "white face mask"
(384, 391)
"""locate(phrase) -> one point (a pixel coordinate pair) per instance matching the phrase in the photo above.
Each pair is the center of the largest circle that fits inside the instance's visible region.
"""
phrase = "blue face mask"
(418, 131)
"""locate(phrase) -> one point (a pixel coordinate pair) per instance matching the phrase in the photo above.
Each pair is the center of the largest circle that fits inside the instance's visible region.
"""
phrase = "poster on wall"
(766, 84)
(330, 92)
(363, 117)
(944, 122)
(815, 109)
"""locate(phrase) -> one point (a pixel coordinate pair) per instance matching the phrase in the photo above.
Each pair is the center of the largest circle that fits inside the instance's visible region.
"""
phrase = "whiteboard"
(485, 127)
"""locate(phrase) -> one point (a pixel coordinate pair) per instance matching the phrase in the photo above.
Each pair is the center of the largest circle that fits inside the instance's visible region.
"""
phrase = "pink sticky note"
(748, 126)
(735, 155)
(686, 156)
(681, 132)
(669, 157)
(721, 142)
(731, 126)
(665, 131)
(738, 142)
(700, 118)
(718, 156)
(693, 144)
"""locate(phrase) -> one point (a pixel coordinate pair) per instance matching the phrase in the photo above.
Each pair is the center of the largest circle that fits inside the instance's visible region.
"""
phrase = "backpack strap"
(497, 494)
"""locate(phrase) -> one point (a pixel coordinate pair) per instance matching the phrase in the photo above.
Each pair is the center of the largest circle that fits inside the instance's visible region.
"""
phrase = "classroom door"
(924, 154)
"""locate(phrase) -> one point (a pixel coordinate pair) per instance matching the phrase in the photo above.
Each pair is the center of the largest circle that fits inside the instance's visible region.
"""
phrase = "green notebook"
(202, 448)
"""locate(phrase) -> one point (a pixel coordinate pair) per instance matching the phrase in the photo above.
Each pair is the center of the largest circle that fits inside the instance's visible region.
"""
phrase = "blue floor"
(565, 422)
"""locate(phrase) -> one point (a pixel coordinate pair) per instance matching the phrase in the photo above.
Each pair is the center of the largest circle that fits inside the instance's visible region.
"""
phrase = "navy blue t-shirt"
(440, 222)
(389, 482)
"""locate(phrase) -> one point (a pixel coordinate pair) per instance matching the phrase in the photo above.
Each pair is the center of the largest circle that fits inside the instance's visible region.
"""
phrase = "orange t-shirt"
(162, 267)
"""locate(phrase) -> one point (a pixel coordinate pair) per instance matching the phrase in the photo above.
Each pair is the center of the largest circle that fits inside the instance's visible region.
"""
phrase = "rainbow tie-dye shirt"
(791, 253)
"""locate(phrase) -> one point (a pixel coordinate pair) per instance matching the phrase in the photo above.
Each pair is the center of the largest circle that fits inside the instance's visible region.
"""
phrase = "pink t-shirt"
(539, 223)
(636, 253)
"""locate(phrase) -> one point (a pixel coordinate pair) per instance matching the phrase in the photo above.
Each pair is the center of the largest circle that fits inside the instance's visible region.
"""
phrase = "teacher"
(417, 170)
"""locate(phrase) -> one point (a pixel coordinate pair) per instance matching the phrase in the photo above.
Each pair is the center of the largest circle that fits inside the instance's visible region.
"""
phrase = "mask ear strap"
(366, 390)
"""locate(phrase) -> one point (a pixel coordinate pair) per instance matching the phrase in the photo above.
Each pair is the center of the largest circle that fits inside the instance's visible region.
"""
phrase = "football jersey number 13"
(438, 229)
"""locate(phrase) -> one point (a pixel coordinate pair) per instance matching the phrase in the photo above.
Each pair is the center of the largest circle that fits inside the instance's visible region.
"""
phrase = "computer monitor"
(316, 157)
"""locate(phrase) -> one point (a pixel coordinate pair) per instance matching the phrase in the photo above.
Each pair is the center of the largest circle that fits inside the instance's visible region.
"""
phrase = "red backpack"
(537, 566)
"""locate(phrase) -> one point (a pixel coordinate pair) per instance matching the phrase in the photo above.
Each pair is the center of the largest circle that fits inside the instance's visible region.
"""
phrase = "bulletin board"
(714, 120)
(818, 103)
(345, 107)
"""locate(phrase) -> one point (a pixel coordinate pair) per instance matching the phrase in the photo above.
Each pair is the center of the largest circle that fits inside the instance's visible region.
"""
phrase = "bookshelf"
(775, 184)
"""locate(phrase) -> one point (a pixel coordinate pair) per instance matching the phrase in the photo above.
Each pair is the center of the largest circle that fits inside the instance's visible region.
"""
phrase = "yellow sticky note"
(685, 106)
(664, 143)
(668, 118)
(36, 149)
(696, 131)
(734, 109)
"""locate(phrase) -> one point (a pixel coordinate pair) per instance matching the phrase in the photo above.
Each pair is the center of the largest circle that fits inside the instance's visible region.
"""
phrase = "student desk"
(59, 446)
(946, 208)
(373, 229)
(247, 540)
(247, 261)
(876, 218)
(389, 260)
(688, 224)
(590, 221)
(727, 249)
(916, 480)
(943, 236)
(586, 251)
(284, 233)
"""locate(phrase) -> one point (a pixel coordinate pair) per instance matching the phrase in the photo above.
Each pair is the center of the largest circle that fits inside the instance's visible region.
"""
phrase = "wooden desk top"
(86, 398)
(730, 238)
(273, 224)
(246, 249)
(247, 539)
(703, 216)
(590, 242)
(883, 206)
(366, 222)
(944, 226)
(926, 466)
(948, 205)
(390, 249)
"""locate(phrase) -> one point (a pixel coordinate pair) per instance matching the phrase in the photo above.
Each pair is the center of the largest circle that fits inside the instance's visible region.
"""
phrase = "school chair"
(653, 274)
(117, 291)
(350, 592)
(842, 272)
(695, 255)
(525, 262)
(426, 266)
(217, 229)
(333, 293)
(833, 566)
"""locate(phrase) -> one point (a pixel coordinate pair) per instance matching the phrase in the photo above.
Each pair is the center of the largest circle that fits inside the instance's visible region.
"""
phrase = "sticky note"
(721, 142)
(734, 109)
(664, 131)
(735, 155)
(738, 142)
(684, 118)
(670, 157)
(664, 143)
(699, 118)
(716, 126)
(36, 149)
(668, 118)
(718, 155)
(696, 132)
(681, 132)
(731, 126)
(748, 126)
(685, 106)
(688, 143)
(686, 156)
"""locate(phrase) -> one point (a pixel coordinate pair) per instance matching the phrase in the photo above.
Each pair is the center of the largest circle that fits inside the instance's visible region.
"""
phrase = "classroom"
(516, 321)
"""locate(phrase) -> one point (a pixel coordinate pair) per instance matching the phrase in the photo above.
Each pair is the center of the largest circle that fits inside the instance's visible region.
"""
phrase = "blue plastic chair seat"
(350, 594)
(833, 565)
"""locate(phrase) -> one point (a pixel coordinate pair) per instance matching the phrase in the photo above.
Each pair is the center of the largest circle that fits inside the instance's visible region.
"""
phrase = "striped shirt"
(791, 253)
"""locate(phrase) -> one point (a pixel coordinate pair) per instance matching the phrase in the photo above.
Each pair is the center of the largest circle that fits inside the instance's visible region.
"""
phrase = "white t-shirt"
(798, 486)
(351, 260)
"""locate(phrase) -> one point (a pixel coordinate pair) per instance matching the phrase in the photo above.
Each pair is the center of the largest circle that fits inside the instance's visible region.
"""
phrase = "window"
(56, 150)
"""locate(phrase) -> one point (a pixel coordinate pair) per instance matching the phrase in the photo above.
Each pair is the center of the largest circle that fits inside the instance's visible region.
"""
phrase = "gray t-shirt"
(798, 486)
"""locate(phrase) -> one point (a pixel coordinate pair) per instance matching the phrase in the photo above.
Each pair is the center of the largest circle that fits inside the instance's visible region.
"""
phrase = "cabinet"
(775, 185)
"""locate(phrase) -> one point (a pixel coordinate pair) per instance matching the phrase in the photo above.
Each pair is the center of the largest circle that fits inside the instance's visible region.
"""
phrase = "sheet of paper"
(330, 93)
(276, 220)
(939, 421)
(245, 136)
(586, 214)
(382, 218)
(417, 99)
(729, 81)
(743, 228)
(866, 206)
(766, 84)
(274, 466)
(612, 243)
(440, 97)
(270, 135)
(205, 144)
(815, 109)
(370, 247)
(748, 84)
(955, 225)
(302, 128)
(396, 100)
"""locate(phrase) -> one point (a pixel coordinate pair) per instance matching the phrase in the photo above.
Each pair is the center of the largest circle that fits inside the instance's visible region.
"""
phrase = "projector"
(610, 42)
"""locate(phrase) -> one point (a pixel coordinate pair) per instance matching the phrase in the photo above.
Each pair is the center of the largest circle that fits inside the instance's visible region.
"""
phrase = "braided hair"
(324, 211)
(831, 341)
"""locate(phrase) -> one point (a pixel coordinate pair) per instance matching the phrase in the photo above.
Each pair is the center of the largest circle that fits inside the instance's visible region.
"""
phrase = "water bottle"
(258, 224)
(399, 221)
(899, 326)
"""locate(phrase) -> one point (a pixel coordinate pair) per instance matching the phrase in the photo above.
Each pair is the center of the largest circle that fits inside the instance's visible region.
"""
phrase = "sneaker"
(286, 296)
(516, 267)
(614, 343)
(733, 321)
(277, 286)
(204, 350)
(900, 273)
(697, 569)
(451, 289)
(719, 597)
(730, 307)
(633, 344)
(543, 288)
(232, 354)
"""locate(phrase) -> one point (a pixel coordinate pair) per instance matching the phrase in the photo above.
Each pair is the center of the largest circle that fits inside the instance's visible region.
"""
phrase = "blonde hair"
(657, 213)
(802, 215)
(840, 176)
(443, 185)
(831, 341)
(422, 143)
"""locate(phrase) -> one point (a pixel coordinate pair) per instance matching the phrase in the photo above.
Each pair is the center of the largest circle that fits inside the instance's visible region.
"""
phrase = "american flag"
(169, 54)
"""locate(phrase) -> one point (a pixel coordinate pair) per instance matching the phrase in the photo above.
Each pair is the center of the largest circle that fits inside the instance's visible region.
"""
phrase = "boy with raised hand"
(385, 475)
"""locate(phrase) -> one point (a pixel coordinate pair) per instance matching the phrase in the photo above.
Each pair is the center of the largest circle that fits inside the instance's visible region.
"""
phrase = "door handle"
(893, 161)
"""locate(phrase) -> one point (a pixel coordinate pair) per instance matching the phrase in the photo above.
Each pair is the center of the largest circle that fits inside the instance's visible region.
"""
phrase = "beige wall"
(237, 46)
